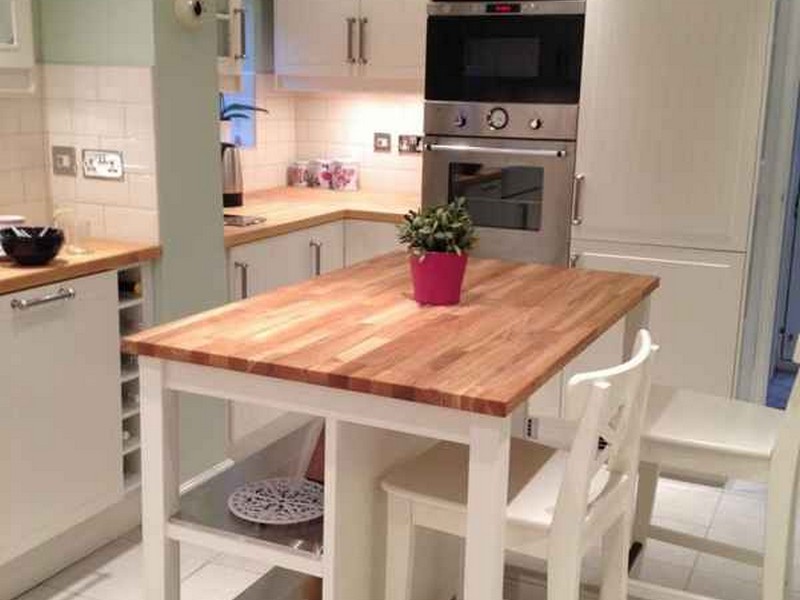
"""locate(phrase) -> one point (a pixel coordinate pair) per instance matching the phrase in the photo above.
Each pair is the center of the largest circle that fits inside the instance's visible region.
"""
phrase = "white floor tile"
(115, 571)
(217, 582)
(687, 502)
(662, 573)
(740, 521)
(725, 568)
(724, 588)
(667, 553)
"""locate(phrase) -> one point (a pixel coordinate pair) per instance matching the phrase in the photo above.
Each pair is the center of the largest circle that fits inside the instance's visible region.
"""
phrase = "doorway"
(787, 315)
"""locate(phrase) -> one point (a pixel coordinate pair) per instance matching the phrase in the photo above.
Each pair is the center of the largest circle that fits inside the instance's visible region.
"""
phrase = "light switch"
(103, 164)
(64, 161)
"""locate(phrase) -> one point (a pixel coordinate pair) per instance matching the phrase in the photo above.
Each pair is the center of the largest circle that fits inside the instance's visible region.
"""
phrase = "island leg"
(160, 482)
(489, 446)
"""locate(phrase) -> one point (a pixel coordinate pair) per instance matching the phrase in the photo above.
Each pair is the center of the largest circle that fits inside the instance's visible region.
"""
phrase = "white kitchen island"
(388, 377)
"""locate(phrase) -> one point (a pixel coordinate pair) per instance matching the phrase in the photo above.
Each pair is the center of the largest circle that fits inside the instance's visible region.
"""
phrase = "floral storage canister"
(319, 173)
(344, 175)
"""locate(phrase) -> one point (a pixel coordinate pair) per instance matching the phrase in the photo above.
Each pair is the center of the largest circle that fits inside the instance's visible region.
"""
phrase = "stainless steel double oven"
(501, 117)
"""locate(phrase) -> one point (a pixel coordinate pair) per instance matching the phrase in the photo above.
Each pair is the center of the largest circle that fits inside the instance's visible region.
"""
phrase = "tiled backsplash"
(105, 108)
(339, 126)
(23, 177)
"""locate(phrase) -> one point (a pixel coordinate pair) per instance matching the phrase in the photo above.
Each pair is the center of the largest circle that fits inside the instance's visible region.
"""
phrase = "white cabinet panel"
(394, 44)
(60, 436)
(16, 34)
(311, 37)
(368, 239)
(694, 315)
(670, 120)
(270, 264)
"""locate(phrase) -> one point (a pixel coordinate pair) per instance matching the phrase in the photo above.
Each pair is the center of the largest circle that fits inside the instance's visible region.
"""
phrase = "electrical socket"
(409, 144)
(382, 142)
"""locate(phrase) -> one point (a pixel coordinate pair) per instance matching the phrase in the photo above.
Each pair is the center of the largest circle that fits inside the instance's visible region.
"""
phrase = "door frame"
(769, 217)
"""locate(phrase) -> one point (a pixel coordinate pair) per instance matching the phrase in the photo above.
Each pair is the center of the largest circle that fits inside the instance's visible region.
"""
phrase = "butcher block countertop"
(291, 209)
(104, 255)
(359, 329)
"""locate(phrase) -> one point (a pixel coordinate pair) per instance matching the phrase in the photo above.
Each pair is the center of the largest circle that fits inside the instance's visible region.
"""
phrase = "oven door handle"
(489, 150)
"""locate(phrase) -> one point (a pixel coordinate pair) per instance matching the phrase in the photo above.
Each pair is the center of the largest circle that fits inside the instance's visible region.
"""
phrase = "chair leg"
(563, 577)
(614, 582)
(779, 536)
(400, 540)
(645, 500)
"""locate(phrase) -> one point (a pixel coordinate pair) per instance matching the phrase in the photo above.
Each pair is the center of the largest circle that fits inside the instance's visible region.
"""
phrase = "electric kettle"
(232, 187)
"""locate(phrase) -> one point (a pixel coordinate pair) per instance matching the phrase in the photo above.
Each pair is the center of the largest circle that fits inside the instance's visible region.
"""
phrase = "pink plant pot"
(438, 277)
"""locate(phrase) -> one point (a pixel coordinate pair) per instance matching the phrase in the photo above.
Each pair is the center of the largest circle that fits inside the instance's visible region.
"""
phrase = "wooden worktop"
(359, 329)
(291, 209)
(104, 255)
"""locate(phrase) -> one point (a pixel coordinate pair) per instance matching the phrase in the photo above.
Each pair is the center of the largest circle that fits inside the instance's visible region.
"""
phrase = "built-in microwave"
(505, 52)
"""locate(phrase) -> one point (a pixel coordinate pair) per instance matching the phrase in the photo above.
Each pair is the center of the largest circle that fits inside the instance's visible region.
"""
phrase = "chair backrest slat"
(614, 401)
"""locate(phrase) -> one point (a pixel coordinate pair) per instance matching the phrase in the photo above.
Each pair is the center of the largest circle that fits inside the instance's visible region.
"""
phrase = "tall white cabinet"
(670, 118)
(17, 59)
(667, 158)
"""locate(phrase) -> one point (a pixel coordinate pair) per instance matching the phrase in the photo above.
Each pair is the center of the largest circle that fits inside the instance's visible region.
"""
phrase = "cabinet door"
(316, 37)
(270, 264)
(16, 34)
(670, 120)
(60, 437)
(232, 27)
(394, 38)
(368, 239)
(694, 315)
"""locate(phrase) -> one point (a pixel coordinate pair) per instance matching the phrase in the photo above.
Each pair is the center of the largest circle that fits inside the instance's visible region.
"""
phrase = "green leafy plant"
(445, 228)
(236, 110)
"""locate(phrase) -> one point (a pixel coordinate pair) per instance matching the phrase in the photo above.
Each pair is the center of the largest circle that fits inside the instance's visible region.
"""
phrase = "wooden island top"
(359, 329)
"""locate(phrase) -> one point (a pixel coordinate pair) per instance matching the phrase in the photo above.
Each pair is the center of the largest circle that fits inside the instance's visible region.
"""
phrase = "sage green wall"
(191, 274)
(96, 32)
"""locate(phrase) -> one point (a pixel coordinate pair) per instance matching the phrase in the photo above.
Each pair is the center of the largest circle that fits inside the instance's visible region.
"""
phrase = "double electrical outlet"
(406, 144)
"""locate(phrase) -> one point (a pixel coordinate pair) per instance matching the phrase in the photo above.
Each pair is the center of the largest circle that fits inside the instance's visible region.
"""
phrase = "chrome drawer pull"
(577, 219)
(317, 249)
(61, 294)
(244, 271)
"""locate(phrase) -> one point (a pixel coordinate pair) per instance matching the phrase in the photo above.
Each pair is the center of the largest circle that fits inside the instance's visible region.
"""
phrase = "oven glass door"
(519, 193)
(525, 59)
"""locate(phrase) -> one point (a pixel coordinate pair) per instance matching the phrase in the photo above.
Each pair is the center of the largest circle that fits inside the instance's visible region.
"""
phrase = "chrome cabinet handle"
(61, 294)
(577, 219)
(244, 271)
(242, 15)
(492, 150)
(351, 22)
(362, 41)
(574, 259)
(317, 248)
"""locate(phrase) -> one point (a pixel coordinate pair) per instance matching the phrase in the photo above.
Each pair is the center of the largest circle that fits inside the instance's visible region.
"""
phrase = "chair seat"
(439, 477)
(708, 423)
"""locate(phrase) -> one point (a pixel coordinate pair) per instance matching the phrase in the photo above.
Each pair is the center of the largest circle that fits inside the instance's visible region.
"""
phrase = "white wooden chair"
(559, 502)
(722, 437)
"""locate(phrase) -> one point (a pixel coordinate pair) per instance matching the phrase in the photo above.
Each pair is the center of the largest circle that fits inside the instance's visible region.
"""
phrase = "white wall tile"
(35, 185)
(62, 188)
(143, 191)
(11, 187)
(10, 116)
(70, 82)
(100, 191)
(132, 224)
(139, 120)
(99, 118)
(131, 85)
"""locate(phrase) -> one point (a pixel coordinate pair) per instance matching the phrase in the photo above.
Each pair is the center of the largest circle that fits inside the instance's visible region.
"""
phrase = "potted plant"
(438, 239)
(230, 112)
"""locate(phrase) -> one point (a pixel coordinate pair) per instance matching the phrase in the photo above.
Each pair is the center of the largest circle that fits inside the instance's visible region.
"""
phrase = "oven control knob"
(497, 119)
(535, 124)
(460, 121)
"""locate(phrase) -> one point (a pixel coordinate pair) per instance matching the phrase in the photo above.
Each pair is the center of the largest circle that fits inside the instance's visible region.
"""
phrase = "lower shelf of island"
(280, 584)
(204, 519)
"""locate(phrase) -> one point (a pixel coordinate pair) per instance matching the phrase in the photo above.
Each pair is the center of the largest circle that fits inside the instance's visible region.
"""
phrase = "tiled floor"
(735, 514)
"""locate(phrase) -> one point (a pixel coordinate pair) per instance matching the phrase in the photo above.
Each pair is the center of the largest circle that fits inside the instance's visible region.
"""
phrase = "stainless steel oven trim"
(476, 9)
(489, 150)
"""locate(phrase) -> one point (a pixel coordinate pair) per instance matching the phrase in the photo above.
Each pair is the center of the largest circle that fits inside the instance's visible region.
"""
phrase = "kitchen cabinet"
(232, 27)
(60, 438)
(694, 315)
(365, 39)
(368, 239)
(269, 264)
(670, 119)
(16, 47)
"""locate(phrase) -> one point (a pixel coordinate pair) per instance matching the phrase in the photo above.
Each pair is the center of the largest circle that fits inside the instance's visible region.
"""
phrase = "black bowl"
(31, 251)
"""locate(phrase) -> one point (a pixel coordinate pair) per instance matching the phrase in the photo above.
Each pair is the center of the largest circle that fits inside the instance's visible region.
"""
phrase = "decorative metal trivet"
(278, 501)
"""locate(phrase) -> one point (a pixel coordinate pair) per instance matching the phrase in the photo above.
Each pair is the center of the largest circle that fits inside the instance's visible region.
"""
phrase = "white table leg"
(638, 318)
(486, 508)
(160, 482)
